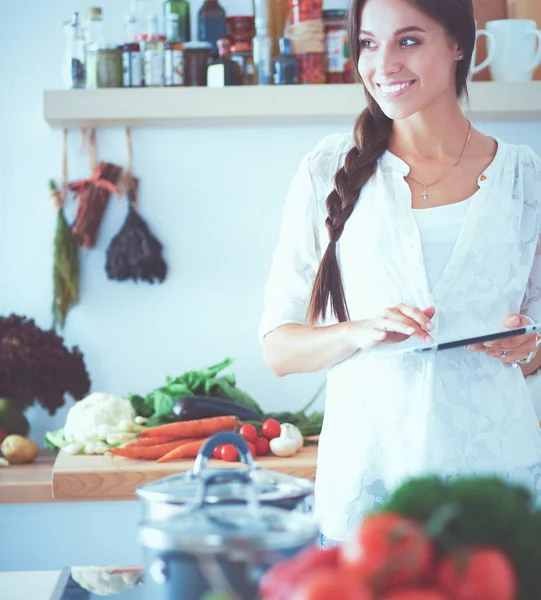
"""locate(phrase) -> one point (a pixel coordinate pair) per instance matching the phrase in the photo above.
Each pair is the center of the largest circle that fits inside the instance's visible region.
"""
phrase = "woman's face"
(407, 60)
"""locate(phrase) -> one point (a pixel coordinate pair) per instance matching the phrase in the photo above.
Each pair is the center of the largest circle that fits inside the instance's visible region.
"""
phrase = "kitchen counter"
(103, 478)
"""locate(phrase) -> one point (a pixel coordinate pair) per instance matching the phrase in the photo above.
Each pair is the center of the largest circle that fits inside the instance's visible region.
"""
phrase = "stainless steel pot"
(165, 498)
(220, 539)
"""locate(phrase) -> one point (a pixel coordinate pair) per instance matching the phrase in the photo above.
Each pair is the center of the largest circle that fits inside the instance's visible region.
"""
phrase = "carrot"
(148, 452)
(188, 450)
(187, 429)
(150, 441)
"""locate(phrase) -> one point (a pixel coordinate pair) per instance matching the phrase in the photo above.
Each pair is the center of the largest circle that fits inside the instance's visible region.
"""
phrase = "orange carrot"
(187, 429)
(150, 441)
(148, 452)
(189, 450)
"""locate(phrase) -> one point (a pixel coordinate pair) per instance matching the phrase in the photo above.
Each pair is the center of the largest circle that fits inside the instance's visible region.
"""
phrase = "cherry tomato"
(248, 432)
(229, 453)
(388, 551)
(252, 448)
(271, 429)
(481, 573)
(327, 583)
(262, 446)
(217, 452)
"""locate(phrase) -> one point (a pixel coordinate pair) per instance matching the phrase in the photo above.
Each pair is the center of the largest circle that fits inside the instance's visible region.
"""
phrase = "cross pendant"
(425, 194)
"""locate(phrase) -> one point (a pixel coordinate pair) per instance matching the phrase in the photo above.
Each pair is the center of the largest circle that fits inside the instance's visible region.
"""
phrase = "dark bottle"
(286, 70)
(182, 9)
(224, 70)
(211, 23)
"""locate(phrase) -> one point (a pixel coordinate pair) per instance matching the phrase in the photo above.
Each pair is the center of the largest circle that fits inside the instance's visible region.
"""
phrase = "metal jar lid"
(240, 531)
(269, 487)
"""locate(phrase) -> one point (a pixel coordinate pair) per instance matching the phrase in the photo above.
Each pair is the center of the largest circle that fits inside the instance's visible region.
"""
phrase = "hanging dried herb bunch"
(66, 263)
(35, 365)
(134, 253)
(94, 194)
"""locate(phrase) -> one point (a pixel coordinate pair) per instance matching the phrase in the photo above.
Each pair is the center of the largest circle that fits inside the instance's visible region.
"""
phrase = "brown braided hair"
(372, 131)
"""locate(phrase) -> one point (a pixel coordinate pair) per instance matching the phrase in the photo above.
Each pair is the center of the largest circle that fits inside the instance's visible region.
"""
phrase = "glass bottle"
(211, 23)
(154, 54)
(182, 9)
(262, 48)
(242, 54)
(286, 70)
(223, 70)
(174, 52)
(73, 72)
(94, 33)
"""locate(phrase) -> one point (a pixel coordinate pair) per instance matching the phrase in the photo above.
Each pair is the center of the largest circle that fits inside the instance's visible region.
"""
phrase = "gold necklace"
(425, 193)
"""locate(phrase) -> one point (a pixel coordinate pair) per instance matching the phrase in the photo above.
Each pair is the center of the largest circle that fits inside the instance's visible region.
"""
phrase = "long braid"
(372, 132)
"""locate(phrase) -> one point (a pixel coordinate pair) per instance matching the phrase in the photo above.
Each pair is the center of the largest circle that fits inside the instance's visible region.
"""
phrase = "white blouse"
(390, 417)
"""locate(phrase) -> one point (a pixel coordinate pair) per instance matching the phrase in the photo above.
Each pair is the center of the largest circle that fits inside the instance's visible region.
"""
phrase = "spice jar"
(242, 54)
(240, 30)
(197, 56)
(132, 65)
(104, 66)
(307, 39)
(337, 61)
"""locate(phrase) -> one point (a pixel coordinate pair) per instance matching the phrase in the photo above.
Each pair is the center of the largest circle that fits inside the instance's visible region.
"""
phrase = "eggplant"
(191, 408)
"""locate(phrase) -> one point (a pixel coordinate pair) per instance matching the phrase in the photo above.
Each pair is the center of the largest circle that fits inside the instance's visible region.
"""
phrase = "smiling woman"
(420, 226)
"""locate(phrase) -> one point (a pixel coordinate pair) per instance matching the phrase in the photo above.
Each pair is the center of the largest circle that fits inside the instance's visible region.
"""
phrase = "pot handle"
(218, 439)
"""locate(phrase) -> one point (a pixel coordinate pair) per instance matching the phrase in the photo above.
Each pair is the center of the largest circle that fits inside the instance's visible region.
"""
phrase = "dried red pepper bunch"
(35, 365)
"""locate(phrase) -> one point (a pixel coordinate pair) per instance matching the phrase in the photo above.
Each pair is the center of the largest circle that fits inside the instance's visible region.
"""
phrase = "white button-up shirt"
(387, 417)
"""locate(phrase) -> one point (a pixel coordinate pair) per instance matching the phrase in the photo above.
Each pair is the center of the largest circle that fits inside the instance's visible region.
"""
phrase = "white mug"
(491, 50)
(516, 56)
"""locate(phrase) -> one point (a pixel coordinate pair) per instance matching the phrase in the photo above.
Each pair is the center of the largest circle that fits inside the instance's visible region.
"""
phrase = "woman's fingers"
(417, 315)
(403, 325)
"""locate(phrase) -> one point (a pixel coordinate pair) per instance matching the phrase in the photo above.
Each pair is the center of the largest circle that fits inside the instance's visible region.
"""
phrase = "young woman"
(418, 225)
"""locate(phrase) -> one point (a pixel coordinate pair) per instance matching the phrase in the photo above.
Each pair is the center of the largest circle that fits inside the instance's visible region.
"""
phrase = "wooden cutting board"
(116, 478)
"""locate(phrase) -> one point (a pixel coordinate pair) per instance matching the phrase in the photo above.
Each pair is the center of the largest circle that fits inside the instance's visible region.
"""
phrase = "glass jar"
(337, 61)
(132, 65)
(242, 54)
(104, 66)
(240, 30)
(197, 56)
(306, 32)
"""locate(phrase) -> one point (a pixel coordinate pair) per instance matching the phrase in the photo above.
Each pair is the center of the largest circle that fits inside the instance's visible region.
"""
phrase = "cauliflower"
(89, 419)
(104, 581)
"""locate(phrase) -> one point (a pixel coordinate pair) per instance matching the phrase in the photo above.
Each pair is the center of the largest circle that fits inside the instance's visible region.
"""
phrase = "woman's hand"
(392, 326)
(510, 349)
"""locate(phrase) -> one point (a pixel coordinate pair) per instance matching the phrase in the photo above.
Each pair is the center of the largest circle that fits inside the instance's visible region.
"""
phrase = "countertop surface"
(63, 477)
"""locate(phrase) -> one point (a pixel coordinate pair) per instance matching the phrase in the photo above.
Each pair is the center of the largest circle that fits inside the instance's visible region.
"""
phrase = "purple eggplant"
(191, 408)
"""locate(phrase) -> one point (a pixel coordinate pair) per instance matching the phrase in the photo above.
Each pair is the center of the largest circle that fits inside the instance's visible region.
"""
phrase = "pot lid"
(241, 530)
(225, 485)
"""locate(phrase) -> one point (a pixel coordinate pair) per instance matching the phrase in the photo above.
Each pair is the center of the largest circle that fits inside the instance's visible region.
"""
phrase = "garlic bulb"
(289, 442)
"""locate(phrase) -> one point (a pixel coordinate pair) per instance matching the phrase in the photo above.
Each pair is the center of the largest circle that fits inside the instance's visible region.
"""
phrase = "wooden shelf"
(259, 105)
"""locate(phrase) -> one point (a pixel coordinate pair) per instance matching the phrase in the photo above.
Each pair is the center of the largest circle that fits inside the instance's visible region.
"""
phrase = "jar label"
(336, 51)
(174, 67)
(126, 70)
(136, 65)
(154, 70)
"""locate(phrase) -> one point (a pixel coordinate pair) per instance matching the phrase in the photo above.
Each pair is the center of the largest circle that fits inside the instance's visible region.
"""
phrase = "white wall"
(213, 196)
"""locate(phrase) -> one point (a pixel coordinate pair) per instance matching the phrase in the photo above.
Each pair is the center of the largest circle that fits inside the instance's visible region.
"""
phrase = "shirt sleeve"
(296, 258)
(531, 304)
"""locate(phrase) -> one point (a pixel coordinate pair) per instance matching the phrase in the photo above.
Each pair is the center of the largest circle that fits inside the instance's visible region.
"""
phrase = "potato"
(18, 449)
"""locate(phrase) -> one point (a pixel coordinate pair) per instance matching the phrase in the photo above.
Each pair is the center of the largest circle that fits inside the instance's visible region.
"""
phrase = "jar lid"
(241, 19)
(94, 12)
(337, 13)
(105, 47)
(131, 47)
(239, 530)
(198, 46)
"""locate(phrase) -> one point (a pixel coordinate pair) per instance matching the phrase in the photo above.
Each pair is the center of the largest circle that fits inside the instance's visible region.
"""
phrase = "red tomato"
(229, 453)
(252, 449)
(415, 593)
(262, 446)
(271, 429)
(477, 573)
(279, 581)
(330, 583)
(388, 551)
(248, 432)
(217, 452)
